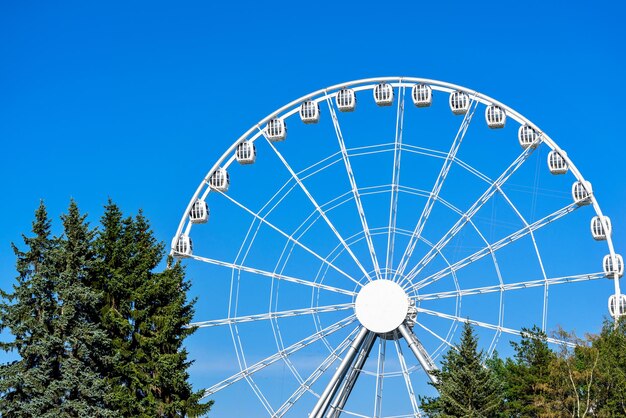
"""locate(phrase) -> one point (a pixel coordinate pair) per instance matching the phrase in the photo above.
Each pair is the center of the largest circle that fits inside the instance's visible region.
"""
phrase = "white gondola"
(383, 94)
(610, 269)
(183, 247)
(246, 153)
(527, 137)
(617, 305)
(276, 130)
(581, 193)
(599, 229)
(556, 162)
(199, 212)
(459, 102)
(495, 117)
(346, 100)
(310, 112)
(220, 180)
(422, 95)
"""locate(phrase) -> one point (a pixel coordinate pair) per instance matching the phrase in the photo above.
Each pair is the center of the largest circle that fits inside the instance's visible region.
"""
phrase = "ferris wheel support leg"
(332, 387)
(340, 401)
(420, 352)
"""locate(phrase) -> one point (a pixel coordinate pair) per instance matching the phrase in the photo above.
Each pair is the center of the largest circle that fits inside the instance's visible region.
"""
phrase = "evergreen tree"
(80, 387)
(53, 316)
(145, 314)
(527, 389)
(116, 277)
(29, 314)
(466, 387)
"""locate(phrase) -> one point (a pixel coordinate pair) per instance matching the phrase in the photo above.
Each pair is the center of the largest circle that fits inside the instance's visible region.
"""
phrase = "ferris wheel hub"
(382, 306)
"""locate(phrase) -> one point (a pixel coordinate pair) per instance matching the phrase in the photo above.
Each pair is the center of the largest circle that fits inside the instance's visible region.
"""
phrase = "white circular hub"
(381, 306)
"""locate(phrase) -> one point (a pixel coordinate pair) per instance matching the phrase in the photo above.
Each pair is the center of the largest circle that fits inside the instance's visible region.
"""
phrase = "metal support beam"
(420, 352)
(340, 401)
(332, 387)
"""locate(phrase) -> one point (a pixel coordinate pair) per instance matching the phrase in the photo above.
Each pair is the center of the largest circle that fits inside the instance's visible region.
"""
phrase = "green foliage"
(610, 383)
(527, 376)
(145, 314)
(53, 315)
(98, 332)
(466, 387)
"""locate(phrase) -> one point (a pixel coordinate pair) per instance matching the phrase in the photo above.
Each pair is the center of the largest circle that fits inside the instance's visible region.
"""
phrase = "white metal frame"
(359, 343)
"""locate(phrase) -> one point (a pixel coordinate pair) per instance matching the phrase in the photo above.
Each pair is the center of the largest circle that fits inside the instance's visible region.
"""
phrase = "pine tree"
(29, 314)
(466, 387)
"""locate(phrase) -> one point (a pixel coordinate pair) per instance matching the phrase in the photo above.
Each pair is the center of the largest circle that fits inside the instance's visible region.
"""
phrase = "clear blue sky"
(135, 101)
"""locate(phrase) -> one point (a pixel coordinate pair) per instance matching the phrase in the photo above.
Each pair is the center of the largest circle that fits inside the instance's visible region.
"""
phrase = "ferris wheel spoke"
(395, 181)
(249, 371)
(272, 315)
(434, 194)
(434, 334)
(489, 326)
(272, 275)
(407, 377)
(380, 376)
(492, 248)
(317, 373)
(319, 209)
(355, 189)
(544, 320)
(291, 238)
(476, 206)
(511, 286)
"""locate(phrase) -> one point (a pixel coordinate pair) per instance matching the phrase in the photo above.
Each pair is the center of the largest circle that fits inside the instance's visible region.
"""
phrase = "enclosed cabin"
(383, 94)
(581, 193)
(422, 95)
(246, 153)
(276, 130)
(600, 227)
(528, 137)
(611, 268)
(617, 305)
(199, 213)
(346, 100)
(310, 112)
(220, 180)
(495, 117)
(459, 102)
(556, 162)
(182, 246)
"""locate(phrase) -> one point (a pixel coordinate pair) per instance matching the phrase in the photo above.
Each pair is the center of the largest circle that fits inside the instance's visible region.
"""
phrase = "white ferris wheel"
(338, 261)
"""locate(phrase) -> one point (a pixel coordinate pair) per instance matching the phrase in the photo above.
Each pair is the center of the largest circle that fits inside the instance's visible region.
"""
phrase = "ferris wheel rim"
(397, 82)
(369, 84)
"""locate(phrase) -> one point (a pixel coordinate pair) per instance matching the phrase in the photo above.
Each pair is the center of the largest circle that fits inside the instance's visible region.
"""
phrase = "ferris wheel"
(335, 263)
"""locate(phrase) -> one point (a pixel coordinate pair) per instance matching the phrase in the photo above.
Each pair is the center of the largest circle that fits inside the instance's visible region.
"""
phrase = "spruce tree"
(53, 315)
(161, 315)
(528, 375)
(466, 387)
(116, 278)
(80, 386)
(28, 313)
(145, 314)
